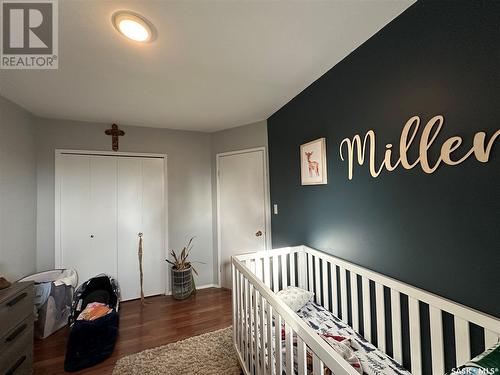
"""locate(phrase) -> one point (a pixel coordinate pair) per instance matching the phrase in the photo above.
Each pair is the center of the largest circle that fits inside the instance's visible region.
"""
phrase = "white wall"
(189, 181)
(17, 191)
(234, 139)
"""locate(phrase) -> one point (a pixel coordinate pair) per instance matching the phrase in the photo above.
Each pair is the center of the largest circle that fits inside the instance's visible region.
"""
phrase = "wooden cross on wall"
(114, 132)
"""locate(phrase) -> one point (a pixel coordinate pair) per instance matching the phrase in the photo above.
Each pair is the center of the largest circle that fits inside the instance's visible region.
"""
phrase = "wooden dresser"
(16, 329)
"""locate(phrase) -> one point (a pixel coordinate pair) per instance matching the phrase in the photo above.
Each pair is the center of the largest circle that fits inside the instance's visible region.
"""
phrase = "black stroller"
(92, 341)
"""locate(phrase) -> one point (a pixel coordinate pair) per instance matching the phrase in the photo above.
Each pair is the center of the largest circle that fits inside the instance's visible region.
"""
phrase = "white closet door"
(152, 226)
(140, 209)
(129, 225)
(103, 219)
(88, 215)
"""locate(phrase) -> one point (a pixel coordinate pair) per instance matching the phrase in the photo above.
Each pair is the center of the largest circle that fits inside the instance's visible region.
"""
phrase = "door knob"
(258, 233)
(91, 236)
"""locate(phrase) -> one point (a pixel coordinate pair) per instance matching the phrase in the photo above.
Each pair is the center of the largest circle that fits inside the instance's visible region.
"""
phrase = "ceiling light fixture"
(133, 26)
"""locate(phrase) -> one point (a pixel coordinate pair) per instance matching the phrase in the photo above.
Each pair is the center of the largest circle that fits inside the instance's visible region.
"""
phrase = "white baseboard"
(206, 286)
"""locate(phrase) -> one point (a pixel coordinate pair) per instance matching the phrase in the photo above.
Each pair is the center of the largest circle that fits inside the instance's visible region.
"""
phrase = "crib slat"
(343, 294)
(490, 339)
(270, 340)
(367, 320)
(462, 340)
(278, 355)
(267, 273)
(354, 301)
(302, 269)
(317, 279)
(292, 269)
(301, 357)
(335, 290)
(262, 334)
(236, 308)
(257, 332)
(310, 275)
(318, 367)
(396, 326)
(247, 323)
(415, 340)
(326, 302)
(284, 271)
(258, 268)
(437, 343)
(243, 317)
(234, 299)
(275, 274)
(253, 330)
(379, 296)
(242, 313)
(289, 349)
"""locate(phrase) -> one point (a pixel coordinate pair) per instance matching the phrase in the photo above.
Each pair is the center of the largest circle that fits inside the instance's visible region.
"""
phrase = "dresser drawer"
(17, 356)
(23, 366)
(16, 308)
(14, 335)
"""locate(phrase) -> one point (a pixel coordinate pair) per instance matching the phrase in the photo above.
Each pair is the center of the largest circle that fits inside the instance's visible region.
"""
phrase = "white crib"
(258, 314)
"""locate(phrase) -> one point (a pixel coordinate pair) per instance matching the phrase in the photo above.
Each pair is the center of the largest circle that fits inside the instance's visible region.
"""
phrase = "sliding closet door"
(103, 218)
(153, 224)
(140, 210)
(87, 215)
(102, 204)
(129, 225)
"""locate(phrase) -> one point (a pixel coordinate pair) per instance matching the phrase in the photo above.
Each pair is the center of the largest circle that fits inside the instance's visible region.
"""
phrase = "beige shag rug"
(211, 353)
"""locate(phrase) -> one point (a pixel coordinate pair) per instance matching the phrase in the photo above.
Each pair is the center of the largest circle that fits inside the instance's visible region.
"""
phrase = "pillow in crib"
(295, 297)
(486, 363)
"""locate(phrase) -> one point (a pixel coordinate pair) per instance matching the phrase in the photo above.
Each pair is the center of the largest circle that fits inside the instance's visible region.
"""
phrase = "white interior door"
(87, 215)
(242, 207)
(140, 210)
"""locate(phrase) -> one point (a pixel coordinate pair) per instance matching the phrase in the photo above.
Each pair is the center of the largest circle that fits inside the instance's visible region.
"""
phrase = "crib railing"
(376, 306)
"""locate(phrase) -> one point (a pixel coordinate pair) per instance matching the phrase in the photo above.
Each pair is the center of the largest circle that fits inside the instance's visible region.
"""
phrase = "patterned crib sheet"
(373, 361)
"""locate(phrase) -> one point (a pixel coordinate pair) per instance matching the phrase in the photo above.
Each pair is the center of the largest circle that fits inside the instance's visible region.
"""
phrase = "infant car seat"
(92, 341)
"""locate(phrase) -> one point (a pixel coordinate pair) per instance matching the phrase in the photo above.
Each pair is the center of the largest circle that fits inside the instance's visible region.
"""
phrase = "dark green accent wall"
(440, 232)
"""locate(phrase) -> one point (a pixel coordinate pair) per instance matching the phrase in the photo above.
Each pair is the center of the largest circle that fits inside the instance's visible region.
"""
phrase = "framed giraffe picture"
(313, 162)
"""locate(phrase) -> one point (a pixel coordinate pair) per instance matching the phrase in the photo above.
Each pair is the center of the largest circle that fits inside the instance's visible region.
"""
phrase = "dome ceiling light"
(133, 26)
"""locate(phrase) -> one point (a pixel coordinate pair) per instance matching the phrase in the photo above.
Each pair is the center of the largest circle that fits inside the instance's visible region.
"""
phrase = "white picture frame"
(313, 169)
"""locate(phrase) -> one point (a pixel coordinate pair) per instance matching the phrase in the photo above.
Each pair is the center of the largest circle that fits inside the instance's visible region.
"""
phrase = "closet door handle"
(16, 365)
(16, 333)
(17, 299)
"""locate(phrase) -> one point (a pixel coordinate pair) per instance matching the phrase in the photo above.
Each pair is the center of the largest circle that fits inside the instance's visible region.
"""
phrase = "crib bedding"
(326, 324)
(373, 361)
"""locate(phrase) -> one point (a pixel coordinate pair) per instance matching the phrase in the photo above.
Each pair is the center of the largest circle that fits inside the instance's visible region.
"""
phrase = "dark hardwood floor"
(163, 320)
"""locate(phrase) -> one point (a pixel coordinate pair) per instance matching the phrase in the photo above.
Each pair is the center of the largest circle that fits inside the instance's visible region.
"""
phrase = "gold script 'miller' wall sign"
(357, 148)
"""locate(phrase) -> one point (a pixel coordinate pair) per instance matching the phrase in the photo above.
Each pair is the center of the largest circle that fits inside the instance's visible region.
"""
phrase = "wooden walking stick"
(140, 269)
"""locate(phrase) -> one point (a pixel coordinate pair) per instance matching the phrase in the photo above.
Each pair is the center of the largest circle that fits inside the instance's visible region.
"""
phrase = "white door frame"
(267, 203)
(57, 190)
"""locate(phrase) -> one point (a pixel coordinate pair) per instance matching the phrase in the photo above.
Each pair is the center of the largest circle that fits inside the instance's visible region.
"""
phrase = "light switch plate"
(275, 209)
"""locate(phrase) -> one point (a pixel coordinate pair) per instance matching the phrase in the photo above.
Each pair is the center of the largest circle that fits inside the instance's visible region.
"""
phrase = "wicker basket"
(182, 283)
